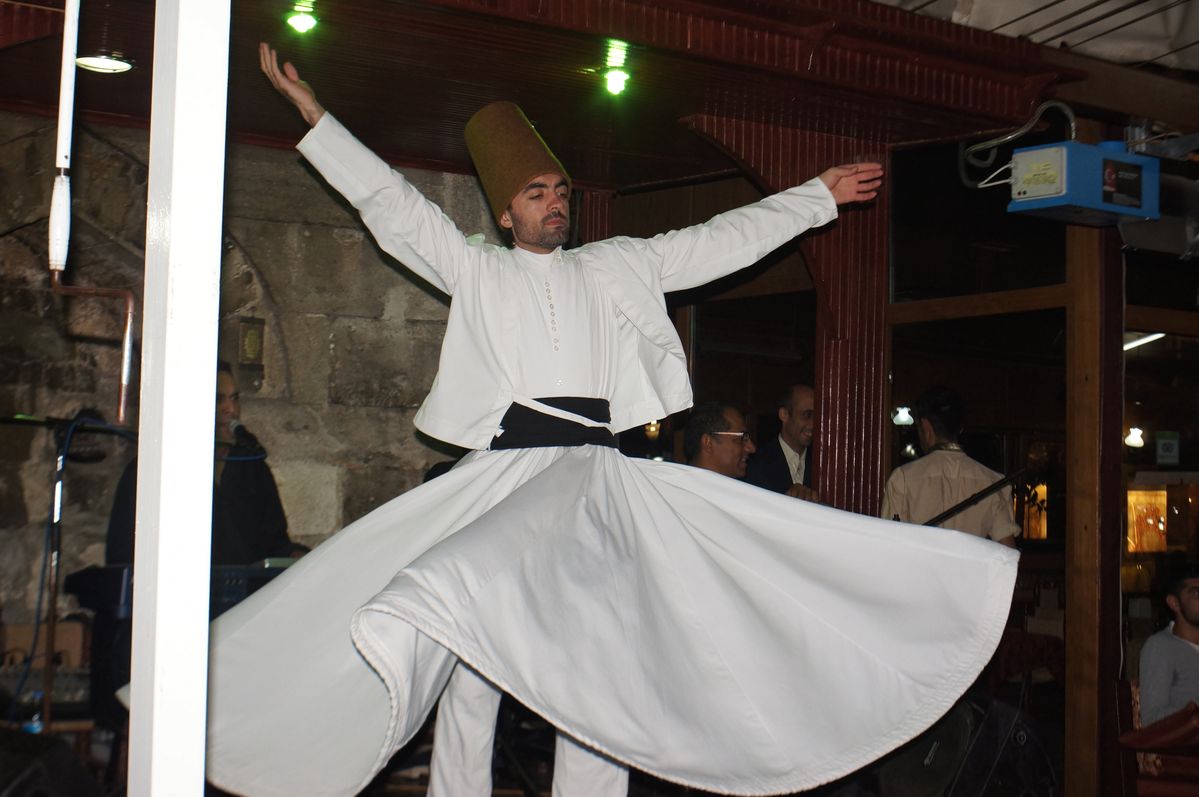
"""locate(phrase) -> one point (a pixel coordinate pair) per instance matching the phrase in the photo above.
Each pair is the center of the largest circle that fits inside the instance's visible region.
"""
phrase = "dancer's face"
(539, 215)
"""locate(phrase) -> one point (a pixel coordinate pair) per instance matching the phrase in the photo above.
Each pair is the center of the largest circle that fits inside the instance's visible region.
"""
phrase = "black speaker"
(980, 748)
(34, 765)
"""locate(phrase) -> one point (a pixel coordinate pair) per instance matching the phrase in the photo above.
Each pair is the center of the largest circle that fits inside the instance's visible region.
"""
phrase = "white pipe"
(60, 199)
(168, 690)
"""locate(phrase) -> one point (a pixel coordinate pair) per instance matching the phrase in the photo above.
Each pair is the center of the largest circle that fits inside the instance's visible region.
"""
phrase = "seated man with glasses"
(716, 439)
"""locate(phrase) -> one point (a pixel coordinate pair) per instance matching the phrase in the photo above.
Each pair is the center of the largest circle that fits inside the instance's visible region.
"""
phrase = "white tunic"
(701, 629)
(475, 378)
(567, 330)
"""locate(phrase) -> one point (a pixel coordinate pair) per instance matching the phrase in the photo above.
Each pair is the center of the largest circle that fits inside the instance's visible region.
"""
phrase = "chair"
(1167, 751)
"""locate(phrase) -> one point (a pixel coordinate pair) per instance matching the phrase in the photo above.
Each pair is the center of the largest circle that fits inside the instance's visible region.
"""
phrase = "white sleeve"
(406, 224)
(738, 238)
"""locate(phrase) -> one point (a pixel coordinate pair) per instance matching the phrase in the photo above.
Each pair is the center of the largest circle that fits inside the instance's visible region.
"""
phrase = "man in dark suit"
(784, 463)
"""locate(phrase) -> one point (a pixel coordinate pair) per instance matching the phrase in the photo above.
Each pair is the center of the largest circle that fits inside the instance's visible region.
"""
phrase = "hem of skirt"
(975, 658)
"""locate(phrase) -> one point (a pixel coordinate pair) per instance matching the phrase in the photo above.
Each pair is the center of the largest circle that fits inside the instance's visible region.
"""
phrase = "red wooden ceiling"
(405, 75)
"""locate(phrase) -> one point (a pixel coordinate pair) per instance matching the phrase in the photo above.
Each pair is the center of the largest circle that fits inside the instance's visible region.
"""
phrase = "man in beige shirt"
(945, 476)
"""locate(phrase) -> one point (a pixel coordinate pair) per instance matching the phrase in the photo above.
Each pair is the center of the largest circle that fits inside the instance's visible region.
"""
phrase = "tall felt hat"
(507, 152)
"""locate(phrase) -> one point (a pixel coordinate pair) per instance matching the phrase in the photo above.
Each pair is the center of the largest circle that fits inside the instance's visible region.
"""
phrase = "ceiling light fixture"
(615, 80)
(103, 56)
(301, 17)
(1135, 438)
(112, 63)
(902, 416)
(615, 77)
(1142, 340)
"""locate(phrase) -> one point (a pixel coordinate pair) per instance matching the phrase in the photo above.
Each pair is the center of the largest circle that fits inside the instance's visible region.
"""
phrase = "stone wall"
(350, 349)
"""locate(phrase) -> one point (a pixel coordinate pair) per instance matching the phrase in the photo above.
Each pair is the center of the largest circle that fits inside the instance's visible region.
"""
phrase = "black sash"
(523, 427)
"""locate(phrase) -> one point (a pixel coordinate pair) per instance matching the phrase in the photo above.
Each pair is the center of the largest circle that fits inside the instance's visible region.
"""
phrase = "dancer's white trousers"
(464, 737)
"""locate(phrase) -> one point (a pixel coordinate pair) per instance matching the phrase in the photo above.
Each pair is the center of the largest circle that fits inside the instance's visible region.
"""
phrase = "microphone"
(243, 435)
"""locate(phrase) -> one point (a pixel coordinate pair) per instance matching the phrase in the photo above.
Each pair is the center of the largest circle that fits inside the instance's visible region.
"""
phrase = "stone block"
(13, 509)
(311, 496)
(415, 302)
(109, 186)
(29, 325)
(305, 343)
(14, 126)
(462, 199)
(23, 258)
(379, 364)
(279, 185)
(375, 481)
(333, 271)
(362, 432)
(69, 377)
(19, 569)
(289, 431)
(27, 174)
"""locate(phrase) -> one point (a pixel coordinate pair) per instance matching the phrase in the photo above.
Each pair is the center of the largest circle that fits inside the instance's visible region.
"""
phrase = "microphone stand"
(60, 463)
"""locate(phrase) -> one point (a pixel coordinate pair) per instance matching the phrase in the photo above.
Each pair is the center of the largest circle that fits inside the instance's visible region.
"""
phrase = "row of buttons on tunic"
(549, 298)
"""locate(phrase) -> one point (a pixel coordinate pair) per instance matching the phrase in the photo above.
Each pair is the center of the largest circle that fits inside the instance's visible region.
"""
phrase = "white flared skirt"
(700, 629)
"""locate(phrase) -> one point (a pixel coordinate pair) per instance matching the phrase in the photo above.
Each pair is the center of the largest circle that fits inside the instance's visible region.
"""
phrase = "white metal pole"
(179, 330)
(60, 199)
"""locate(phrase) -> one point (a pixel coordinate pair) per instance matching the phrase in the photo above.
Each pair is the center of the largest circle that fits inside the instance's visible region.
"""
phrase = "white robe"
(704, 630)
(701, 629)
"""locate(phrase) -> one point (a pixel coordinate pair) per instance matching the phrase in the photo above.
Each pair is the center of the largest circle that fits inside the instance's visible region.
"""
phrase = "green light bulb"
(616, 80)
(302, 21)
(618, 52)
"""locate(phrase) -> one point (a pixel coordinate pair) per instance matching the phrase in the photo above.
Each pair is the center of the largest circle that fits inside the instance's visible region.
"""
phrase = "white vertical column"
(179, 331)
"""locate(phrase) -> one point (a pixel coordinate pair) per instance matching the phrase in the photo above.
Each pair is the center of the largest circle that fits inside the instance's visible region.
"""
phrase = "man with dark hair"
(716, 439)
(248, 522)
(650, 613)
(248, 526)
(945, 476)
(784, 463)
(1169, 676)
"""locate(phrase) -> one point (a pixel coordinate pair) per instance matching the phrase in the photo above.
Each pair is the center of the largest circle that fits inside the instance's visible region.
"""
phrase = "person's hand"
(286, 81)
(803, 493)
(853, 182)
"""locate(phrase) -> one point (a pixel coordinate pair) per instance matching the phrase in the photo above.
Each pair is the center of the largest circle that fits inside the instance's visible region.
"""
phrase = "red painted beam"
(850, 44)
(23, 22)
(848, 263)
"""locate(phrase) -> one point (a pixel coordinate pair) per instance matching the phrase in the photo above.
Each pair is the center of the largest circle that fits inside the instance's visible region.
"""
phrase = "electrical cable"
(1064, 17)
(987, 183)
(1028, 14)
(968, 153)
(1168, 52)
(1094, 21)
(31, 654)
(992, 143)
(1133, 21)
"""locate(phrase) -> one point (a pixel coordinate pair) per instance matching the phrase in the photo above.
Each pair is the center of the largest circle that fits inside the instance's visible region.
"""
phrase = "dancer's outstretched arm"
(286, 81)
